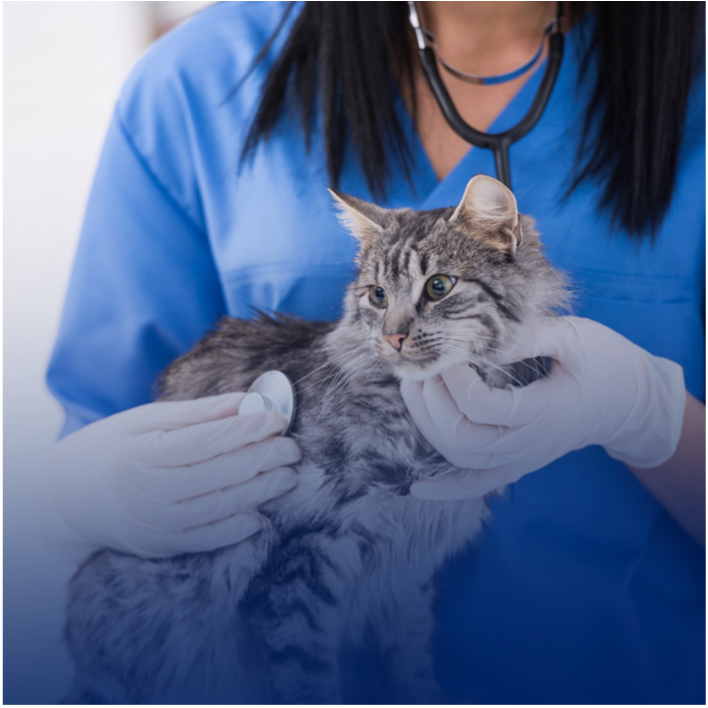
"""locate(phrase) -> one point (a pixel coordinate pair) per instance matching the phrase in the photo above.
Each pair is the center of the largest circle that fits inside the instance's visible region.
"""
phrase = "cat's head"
(445, 286)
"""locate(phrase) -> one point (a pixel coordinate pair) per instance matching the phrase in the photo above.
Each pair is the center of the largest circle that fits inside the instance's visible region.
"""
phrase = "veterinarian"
(588, 585)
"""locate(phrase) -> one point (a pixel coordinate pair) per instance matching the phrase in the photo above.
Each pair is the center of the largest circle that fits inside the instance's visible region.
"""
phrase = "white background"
(63, 65)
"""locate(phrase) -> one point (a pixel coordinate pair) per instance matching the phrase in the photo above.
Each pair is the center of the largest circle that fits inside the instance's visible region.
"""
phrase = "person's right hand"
(167, 478)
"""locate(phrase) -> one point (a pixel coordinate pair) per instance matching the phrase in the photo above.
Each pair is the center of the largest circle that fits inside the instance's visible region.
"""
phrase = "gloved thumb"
(547, 337)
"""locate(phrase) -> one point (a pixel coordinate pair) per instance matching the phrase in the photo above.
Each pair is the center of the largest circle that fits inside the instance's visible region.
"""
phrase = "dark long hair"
(341, 58)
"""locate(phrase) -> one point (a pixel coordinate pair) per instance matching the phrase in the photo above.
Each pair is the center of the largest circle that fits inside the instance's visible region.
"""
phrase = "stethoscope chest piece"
(271, 391)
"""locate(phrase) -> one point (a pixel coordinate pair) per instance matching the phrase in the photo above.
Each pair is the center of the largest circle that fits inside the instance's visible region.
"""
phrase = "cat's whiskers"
(478, 359)
(375, 369)
(338, 371)
(332, 362)
(332, 359)
(350, 375)
(521, 362)
(347, 376)
(504, 352)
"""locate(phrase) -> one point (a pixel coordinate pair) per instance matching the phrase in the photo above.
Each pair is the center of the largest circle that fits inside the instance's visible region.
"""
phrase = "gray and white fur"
(348, 553)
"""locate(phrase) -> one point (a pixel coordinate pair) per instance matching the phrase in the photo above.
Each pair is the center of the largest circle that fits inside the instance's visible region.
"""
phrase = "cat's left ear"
(489, 204)
(364, 220)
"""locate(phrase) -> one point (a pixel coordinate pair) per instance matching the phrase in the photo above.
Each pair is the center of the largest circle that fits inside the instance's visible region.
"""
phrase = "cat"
(349, 553)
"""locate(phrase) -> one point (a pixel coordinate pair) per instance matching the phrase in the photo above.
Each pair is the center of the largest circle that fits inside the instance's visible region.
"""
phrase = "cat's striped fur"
(349, 553)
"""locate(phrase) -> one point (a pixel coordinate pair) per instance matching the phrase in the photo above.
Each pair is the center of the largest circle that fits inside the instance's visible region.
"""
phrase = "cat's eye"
(378, 296)
(439, 286)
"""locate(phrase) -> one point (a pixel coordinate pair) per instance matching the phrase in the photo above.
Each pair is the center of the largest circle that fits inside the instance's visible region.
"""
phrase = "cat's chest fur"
(361, 449)
(361, 452)
(351, 514)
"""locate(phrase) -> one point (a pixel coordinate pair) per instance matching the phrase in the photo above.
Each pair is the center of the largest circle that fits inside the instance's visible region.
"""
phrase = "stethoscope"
(498, 143)
(273, 391)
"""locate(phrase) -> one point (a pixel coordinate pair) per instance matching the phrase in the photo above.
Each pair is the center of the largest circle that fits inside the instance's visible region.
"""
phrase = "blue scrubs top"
(582, 590)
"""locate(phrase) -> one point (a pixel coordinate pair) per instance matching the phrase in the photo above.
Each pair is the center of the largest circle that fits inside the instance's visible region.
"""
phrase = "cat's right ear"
(364, 220)
(491, 205)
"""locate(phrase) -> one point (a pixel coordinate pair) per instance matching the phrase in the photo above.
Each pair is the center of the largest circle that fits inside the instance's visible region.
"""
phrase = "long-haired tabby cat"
(348, 553)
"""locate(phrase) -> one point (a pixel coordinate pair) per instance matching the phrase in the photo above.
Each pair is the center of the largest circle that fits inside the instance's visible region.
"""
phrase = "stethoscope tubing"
(498, 143)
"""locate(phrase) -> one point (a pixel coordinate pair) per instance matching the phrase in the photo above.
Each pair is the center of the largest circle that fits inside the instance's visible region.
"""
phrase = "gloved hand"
(166, 478)
(601, 390)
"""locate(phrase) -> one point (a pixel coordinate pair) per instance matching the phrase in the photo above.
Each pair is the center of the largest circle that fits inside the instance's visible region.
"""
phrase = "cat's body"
(348, 553)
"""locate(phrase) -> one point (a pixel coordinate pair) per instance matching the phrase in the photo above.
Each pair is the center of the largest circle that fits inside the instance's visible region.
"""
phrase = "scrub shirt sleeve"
(144, 288)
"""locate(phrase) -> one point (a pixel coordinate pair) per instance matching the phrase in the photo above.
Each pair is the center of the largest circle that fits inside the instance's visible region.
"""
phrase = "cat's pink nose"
(396, 340)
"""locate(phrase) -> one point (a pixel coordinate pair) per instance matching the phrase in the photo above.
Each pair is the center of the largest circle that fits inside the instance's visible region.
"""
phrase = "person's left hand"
(602, 389)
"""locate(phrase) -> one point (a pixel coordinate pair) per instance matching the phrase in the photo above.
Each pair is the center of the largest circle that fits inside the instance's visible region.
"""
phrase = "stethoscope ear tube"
(498, 143)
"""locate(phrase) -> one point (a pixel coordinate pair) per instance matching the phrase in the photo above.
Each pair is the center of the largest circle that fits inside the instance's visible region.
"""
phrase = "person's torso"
(582, 589)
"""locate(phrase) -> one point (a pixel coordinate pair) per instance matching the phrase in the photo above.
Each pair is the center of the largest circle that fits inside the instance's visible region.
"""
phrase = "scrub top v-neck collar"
(432, 192)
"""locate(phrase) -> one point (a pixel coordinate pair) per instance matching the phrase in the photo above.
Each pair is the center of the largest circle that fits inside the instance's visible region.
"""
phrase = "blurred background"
(63, 63)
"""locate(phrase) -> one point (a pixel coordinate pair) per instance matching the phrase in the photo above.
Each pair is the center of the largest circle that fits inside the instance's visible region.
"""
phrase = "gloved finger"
(549, 399)
(217, 535)
(172, 415)
(240, 498)
(206, 440)
(452, 425)
(511, 407)
(554, 337)
(479, 402)
(472, 484)
(179, 483)
(412, 394)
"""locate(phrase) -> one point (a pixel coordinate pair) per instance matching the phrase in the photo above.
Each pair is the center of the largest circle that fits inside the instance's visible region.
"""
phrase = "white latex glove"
(601, 390)
(165, 478)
